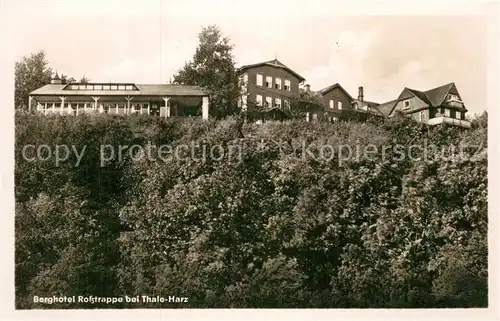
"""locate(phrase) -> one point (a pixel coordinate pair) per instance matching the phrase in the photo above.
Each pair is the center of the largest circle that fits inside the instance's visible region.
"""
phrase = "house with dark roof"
(335, 101)
(340, 105)
(164, 100)
(435, 106)
(270, 85)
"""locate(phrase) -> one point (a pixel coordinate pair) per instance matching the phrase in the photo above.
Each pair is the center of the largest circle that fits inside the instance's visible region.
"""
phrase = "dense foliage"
(271, 226)
(31, 73)
(213, 68)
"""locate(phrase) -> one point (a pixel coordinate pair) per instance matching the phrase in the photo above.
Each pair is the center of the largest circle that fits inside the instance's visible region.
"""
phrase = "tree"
(30, 73)
(304, 102)
(213, 68)
(66, 79)
(84, 80)
(480, 121)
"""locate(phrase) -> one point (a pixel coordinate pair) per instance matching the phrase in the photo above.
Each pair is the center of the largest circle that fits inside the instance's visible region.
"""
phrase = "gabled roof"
(437, 95)
(387, 107)
(366, 102)
(434, 96)
(419, 94)
(371, 103)
(273, 63)
(326, 90)
(143, 90)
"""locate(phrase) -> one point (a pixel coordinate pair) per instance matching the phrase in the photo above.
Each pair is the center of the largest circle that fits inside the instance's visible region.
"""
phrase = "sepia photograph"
(249, 155)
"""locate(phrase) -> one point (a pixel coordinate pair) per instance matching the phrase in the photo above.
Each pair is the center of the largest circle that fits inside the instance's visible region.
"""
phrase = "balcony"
(448, 120)
(455, 103)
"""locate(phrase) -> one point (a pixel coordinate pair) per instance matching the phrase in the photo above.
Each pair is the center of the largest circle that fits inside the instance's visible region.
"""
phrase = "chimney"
(308, 88)
(360, 93)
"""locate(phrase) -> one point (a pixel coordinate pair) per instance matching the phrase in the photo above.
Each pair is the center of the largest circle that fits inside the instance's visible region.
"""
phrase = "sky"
(383, 48)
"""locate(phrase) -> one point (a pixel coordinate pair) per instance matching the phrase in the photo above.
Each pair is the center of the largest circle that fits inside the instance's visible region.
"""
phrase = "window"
(89, 87)
(286, 103)
(269, 82)
(453, 97)
(259, 80)
(307, 116)
(129, 87)
(422, 116)
(331, 104)
(315, 117)
(258, 100)
(287, 85)
(81, 87)
(406, 104)
(73, 87)
(339, 105)
(458, 115)
(98, 87)
(277, 102)
(121, 87)
(106, 87)
(277, 83)
(114, 87)
(447, 112)
(269, 102)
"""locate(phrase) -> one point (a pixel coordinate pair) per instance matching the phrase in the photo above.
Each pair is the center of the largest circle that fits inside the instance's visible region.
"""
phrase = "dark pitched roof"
(143, 90)
(371, 103)
(326, 90)
(273, 63)
(419, 94)
(434, 96)
(387, 107)
(437, 95)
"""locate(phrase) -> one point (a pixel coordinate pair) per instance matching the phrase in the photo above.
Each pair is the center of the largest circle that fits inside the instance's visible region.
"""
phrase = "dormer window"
(406, 104)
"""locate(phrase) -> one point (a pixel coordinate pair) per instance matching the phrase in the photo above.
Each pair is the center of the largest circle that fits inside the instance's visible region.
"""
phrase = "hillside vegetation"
(271, 226)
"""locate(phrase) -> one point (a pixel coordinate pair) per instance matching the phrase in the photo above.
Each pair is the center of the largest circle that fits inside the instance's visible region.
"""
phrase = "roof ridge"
(445, 85)
(272, 63)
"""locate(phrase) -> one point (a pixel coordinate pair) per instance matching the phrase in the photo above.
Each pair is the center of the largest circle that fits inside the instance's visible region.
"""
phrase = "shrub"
(267, 227)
